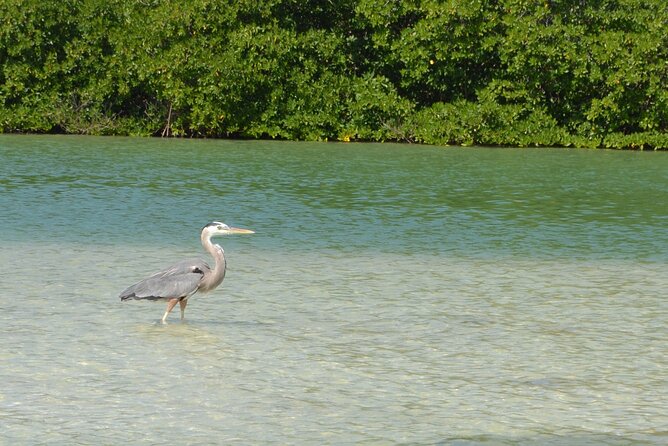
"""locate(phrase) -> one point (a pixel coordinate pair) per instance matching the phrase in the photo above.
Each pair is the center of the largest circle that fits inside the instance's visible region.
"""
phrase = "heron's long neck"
(218, 272)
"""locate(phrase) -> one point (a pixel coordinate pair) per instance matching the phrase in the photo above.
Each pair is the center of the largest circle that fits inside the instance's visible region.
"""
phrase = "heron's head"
(218, 228)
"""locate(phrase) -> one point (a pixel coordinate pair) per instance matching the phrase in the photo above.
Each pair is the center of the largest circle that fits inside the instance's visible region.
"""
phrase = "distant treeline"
(586, 73)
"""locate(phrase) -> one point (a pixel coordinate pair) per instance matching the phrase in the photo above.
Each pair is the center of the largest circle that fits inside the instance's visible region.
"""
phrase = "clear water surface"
(392, 294)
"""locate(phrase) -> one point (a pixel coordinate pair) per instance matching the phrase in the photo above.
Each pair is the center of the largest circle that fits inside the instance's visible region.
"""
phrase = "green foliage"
(473, 123)
(493, 72)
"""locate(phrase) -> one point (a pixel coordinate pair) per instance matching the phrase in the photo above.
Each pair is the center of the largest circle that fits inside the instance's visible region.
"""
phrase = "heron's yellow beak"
(240, 231)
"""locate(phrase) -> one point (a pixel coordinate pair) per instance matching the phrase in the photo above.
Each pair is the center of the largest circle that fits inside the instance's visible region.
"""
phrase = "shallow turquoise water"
(391, 294)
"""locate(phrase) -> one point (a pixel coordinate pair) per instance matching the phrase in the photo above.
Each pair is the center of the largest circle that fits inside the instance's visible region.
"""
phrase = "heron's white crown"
(219, 228)
(216, 227)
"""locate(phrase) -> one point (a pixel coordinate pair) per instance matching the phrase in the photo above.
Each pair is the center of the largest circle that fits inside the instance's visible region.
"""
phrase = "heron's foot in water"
(182, 304)
(170, 306)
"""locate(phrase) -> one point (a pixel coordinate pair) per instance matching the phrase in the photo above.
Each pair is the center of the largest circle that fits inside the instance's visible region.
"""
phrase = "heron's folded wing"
(179, 280)
(183, 267)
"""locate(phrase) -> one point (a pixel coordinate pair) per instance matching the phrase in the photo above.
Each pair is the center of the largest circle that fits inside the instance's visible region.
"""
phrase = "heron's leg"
(183, 303)
(170, 306)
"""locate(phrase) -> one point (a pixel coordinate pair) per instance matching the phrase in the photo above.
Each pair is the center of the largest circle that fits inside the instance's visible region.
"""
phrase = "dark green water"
(482, 202)
(391, 294)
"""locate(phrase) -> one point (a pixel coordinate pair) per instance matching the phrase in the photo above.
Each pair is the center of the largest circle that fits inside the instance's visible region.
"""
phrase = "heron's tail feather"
(135, 297)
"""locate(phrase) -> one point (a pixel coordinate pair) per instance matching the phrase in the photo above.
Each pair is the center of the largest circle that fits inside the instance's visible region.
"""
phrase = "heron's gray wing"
(179, 280)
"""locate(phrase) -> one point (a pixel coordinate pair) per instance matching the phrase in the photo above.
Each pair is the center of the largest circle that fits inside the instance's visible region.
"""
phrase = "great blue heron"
(181, 280)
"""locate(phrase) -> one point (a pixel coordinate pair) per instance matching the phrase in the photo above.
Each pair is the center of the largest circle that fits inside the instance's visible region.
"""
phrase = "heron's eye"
(220, 227)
